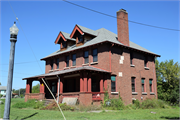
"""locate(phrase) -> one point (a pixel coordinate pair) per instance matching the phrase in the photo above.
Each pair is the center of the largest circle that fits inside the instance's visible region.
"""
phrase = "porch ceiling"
(89, 68)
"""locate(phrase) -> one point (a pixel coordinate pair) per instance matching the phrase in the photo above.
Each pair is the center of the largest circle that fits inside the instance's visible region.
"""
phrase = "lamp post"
(13, 38)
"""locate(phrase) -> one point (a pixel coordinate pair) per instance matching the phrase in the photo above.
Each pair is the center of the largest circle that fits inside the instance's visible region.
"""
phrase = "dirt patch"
(51, 106)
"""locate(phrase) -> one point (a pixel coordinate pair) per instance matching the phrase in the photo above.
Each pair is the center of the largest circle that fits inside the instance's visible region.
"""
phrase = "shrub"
(136, 103)
(38, 105)
(1, 95)
(153, 103)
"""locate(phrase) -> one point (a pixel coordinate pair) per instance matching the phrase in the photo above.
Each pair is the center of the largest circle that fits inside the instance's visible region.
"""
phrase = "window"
(86, 57)
(131, 58)
(63, 44)
(57, 63)
(143, 84)
(54, 87)
(80, 38)
(150, 85)
(67, 61)
(113, 83)
(74, 60)
(51, 64)
(133, 84)
(145, 61)
(95, 59)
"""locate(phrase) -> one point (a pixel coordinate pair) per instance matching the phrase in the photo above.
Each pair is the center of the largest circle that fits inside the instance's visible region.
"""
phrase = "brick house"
(90, 62)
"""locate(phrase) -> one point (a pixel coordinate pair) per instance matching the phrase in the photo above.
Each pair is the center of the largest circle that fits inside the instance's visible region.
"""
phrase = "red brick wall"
(123, 84)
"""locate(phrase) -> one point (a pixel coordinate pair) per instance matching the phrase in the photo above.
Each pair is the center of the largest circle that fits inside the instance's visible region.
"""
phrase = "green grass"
(34, 114)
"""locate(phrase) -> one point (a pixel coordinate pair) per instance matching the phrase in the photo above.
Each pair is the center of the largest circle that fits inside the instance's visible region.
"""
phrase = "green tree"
(0, 83)
(168, 78)
(36, 88)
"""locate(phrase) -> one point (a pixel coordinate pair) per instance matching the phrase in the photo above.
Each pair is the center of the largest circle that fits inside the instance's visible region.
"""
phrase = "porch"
(85, 83)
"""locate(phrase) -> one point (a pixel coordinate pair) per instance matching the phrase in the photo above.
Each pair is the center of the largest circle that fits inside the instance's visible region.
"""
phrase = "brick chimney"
(122, 27)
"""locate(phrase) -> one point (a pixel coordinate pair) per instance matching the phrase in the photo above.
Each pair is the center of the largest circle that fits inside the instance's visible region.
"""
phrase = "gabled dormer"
(64, 40)
(82, 34)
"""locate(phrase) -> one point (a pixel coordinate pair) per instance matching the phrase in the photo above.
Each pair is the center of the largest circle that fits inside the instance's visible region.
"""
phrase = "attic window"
(63, 44)
(80, 38)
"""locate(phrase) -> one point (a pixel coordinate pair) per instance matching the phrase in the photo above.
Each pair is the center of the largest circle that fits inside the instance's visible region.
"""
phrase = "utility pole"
(13, 38)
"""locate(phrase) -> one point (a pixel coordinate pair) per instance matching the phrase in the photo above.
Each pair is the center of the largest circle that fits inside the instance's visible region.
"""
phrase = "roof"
(67, 36)
(87, 30)
(3, 87)
(68, 71)
(102, 35)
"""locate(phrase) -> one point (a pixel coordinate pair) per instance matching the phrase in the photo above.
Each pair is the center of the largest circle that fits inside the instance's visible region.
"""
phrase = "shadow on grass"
(29, 116)
(165, 117)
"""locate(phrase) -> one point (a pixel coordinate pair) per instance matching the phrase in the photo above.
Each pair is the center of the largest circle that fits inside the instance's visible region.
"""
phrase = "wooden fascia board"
(59, 36)
(74, 30)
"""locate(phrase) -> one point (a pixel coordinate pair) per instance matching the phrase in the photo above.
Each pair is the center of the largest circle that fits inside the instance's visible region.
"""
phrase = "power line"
(120, 18)
(25, 36)
(20, 63)
(16, 72)
(13, 77)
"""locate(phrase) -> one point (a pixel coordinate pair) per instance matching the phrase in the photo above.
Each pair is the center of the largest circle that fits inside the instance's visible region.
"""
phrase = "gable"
(60, 35)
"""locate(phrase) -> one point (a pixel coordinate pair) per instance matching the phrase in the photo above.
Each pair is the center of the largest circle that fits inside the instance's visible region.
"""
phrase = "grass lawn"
(34, 114)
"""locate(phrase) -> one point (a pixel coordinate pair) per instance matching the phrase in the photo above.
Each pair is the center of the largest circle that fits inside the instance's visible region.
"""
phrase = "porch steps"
(48, 101)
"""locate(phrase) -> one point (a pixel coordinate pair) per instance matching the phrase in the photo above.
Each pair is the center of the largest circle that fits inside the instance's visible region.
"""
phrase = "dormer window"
(63, 44)
(80, 38)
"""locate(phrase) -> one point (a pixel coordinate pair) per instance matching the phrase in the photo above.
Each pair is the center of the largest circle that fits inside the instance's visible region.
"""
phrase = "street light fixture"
(13, 38)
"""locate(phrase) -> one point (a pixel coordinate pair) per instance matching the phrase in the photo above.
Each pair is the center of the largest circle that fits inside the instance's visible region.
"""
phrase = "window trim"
(115, 84)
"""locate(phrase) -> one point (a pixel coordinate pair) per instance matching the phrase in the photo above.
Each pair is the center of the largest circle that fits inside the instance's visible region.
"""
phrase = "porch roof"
(90, 68)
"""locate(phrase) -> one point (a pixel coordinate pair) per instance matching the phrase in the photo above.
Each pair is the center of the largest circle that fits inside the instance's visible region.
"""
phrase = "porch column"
(105, 82)
(28, 86)
(89, 82)
(61, 84)
(81, 82)
(85, 82)
(41, 87)
(101, 82)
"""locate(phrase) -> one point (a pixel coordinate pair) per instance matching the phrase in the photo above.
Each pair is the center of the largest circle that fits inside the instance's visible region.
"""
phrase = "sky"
(41, 21)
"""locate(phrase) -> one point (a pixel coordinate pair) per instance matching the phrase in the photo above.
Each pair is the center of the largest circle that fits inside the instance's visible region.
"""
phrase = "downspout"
(110, 56)
(58, 88)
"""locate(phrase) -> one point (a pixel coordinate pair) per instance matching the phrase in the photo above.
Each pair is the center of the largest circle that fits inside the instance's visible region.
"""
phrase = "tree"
(36, 88)
(168, 78)
(0, 83)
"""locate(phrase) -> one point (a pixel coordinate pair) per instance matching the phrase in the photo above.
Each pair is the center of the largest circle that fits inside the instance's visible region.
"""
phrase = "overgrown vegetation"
(112, 104)
(30, 103)
(148, 104)
(168, 77)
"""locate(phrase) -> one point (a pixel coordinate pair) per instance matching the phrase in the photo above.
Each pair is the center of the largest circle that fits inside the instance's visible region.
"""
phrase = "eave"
(128, 47)
(60, 35)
